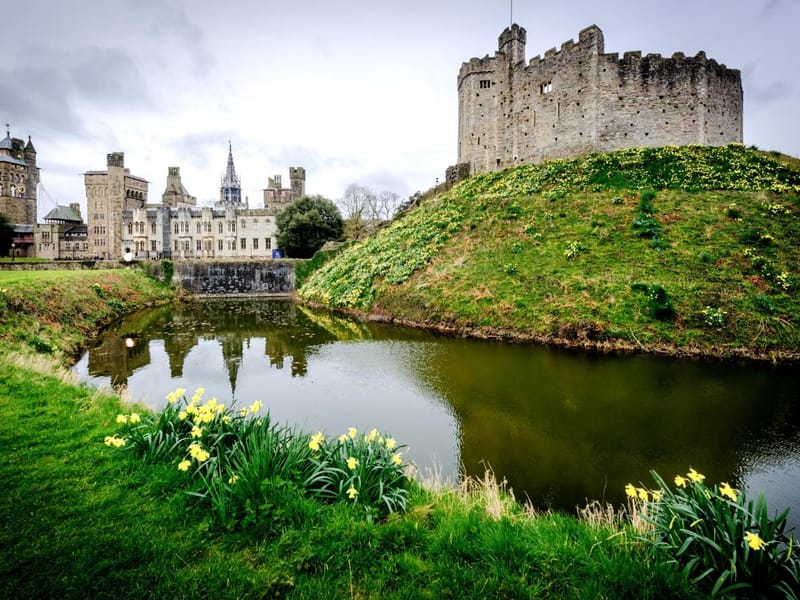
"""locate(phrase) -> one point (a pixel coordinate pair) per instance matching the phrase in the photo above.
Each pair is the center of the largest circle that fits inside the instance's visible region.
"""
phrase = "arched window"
(220, 227)
(13, 190)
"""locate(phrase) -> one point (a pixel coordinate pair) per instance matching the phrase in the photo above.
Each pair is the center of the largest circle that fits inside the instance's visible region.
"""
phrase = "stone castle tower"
(108, 193)
(19, 178)
(578, 100)
(175, 194)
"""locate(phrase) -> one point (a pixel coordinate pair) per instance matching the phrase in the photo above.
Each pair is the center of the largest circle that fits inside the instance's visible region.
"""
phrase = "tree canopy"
(306, 224)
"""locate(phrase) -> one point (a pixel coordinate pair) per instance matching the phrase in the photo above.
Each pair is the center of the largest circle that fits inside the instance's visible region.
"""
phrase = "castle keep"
(579, 100)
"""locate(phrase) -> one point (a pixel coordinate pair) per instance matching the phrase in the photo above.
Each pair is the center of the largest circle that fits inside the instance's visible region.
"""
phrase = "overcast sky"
(354, 91)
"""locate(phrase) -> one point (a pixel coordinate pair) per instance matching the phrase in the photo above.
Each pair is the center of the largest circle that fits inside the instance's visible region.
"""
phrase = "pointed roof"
(6, 143)
(230, 179)
(29, 146)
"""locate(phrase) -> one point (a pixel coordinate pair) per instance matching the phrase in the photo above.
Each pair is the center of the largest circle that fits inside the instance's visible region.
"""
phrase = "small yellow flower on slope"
(352, 431)
(352, 493)
(122, 419)
(754, 540)
(197, 432)
(680, 481)
(728, 491)
(113, 440)
(316, 440)
(233, 479)
(352, 463)
(255, 407)
(656, 496)
(198, 395)
(397, 458)
(343, 438)
(184, 465)
(630, 490)
(642, 494)
(695, 476)
(390, 443)
(135, 418)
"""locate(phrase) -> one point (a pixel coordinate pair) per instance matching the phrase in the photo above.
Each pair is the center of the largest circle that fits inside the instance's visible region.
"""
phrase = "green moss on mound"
(575, 250)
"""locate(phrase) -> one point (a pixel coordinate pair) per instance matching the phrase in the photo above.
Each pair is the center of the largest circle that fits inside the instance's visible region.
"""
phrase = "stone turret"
(230, 189)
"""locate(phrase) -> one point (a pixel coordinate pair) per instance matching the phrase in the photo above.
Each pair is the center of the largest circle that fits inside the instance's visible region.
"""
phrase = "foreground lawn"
(79, 519)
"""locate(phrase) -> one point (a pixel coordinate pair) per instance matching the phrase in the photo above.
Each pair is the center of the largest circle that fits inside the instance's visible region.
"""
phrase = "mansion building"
(178, 228)
(123, 225)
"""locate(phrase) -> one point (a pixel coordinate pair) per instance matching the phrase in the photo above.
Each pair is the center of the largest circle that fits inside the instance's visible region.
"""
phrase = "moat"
(560, 427)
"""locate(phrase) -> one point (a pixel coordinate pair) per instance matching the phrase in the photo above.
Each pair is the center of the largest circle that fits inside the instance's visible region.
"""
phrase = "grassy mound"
(694, 248)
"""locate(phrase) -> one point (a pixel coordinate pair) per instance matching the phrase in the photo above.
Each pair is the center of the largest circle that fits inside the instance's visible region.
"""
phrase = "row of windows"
(16, 178)
(13, 190)
(200, 245)
(99, 230)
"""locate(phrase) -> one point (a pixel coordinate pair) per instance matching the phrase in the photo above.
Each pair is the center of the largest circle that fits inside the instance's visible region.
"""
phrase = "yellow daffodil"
(202, 455)
(184, 465)
(343, 438)
(176, 395)
(194, 449)
(390, 443)
(352, 463)
(122, 419)
(256, 406)
(630, 490)
(192, 409)
(226, 419)
(656, 496)
(372, 436)
(233, 479)
(397, 458)
(754, 540)
(316, 440)
(242, 412)
(643, 495)
(352, 431)
(197, 432)
(680, 481)
(135, 418)
(114, 440)
(198, 395)
(182, 415)
(352, 493)
(695, 476)
(728, 491)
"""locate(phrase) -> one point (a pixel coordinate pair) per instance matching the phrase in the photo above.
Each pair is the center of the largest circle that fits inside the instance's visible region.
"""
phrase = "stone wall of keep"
(576, 99)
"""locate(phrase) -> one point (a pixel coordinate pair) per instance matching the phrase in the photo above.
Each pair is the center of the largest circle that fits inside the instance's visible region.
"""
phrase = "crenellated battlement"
(576, 99)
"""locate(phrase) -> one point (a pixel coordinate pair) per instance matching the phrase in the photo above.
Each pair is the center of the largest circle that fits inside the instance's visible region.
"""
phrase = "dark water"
(560, 427)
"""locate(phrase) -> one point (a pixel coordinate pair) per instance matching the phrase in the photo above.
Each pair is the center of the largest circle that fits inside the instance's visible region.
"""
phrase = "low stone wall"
(59, 265)
(234, 278)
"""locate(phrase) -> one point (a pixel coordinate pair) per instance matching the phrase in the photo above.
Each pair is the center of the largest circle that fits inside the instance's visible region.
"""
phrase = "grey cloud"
(48, 97)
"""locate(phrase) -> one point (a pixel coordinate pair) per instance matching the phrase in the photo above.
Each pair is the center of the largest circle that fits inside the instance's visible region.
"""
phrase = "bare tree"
(387, 203)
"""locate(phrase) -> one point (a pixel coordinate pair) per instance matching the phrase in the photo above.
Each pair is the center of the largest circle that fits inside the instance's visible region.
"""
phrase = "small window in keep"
(546, 88)
(485, 84)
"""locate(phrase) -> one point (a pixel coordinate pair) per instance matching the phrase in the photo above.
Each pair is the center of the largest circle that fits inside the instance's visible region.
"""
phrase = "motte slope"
(569, 252)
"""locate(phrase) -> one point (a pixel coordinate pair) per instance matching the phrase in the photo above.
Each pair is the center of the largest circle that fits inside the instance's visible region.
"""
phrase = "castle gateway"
(579, 100)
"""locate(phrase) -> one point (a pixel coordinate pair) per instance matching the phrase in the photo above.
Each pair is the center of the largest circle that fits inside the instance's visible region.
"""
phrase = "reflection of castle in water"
(234, 325)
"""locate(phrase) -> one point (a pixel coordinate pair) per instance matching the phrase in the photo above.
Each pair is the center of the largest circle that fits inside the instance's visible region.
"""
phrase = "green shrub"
(724, 541)
(659, 305)
(365, 470)
(257, 474)
(167, 271)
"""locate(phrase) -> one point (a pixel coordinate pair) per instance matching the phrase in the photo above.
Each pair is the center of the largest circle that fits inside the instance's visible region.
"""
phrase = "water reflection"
(560, 427)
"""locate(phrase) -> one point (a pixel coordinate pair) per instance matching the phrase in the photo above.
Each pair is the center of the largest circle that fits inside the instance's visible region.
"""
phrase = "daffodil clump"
(364, 469)
(723, 539)
(254, 472)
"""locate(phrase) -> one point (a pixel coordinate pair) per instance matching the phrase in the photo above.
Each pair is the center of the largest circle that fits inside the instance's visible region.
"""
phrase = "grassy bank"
(54, 312)
(678, 250)
(81, 519)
